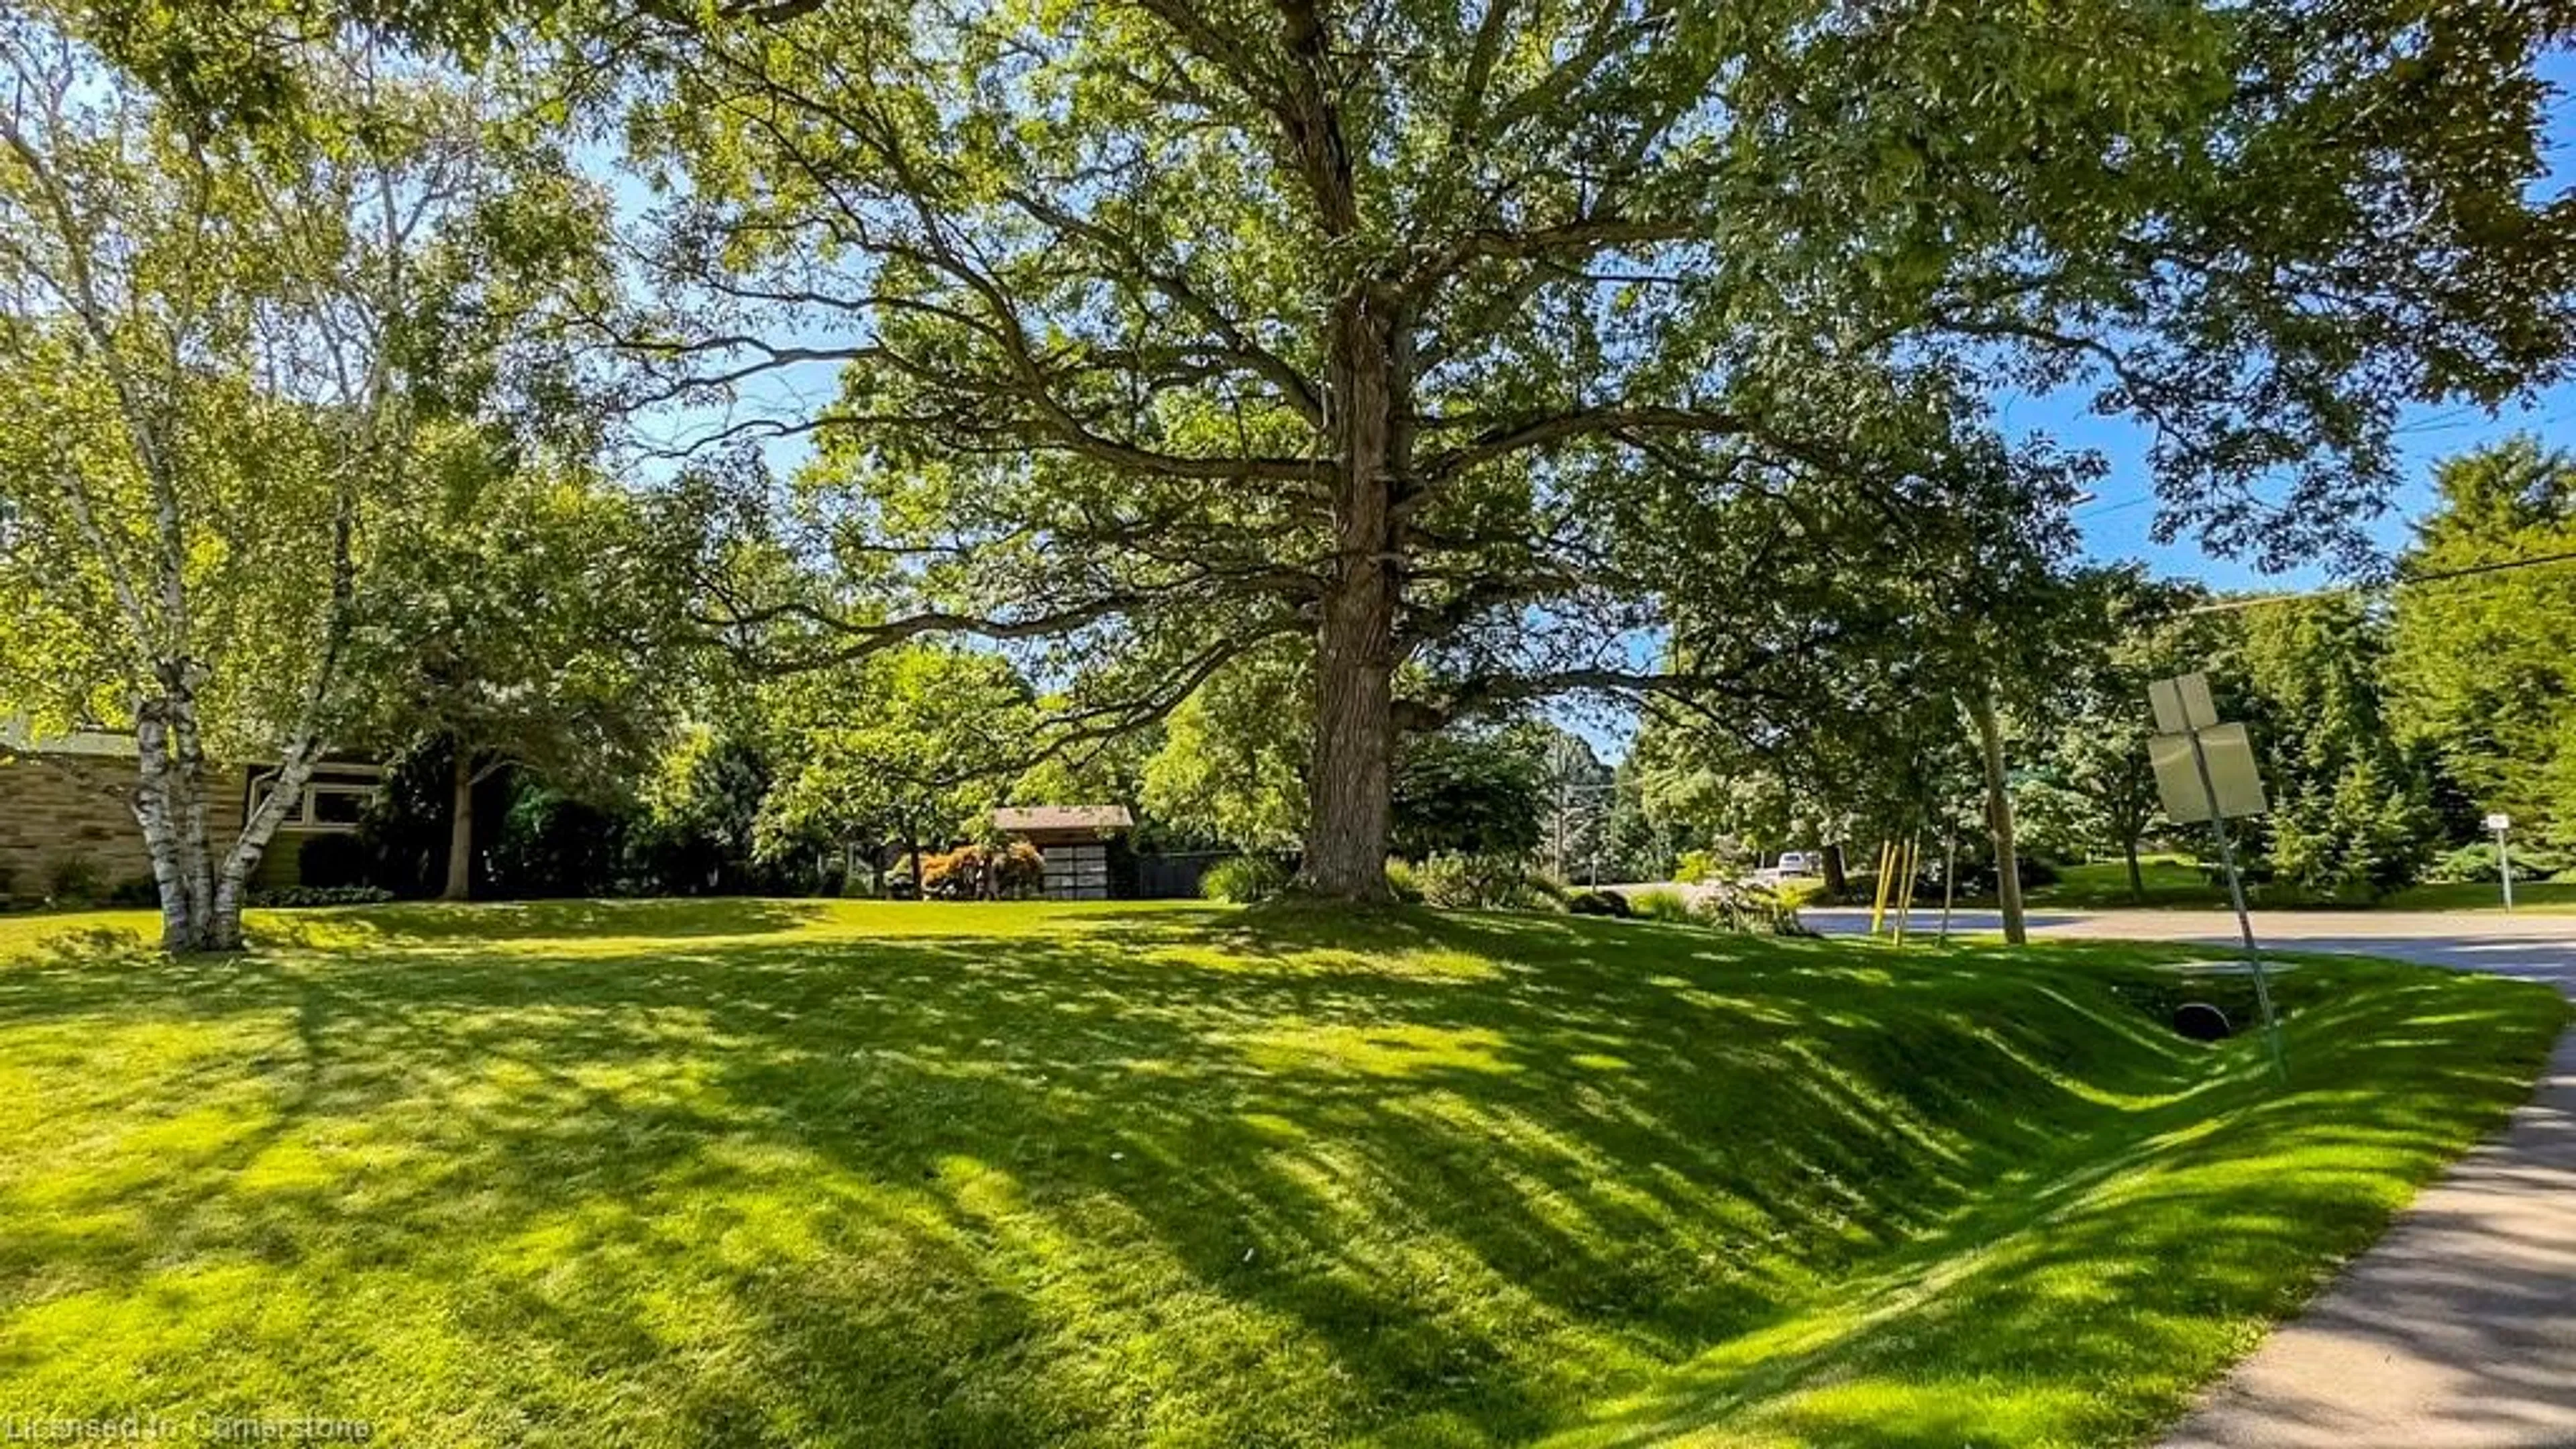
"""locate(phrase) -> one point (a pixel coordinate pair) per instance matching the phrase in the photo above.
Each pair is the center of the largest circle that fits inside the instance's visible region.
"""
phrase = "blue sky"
(2118, 522)
(2116, 525)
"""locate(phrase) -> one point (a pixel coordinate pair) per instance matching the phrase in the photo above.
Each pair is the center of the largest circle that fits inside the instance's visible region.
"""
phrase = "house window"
(325, 805)
(260, 790)
(340, 806)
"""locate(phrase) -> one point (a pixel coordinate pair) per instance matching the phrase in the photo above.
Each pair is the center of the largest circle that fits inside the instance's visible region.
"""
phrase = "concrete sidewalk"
(2458, 1329)
(2455, 1331)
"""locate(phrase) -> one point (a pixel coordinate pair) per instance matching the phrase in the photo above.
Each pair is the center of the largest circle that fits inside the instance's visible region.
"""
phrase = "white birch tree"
(212, 336)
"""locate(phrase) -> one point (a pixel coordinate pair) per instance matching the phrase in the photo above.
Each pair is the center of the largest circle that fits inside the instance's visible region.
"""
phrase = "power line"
(2106, 507)
(2499, 566)
(2439, 422)
(2437, 576)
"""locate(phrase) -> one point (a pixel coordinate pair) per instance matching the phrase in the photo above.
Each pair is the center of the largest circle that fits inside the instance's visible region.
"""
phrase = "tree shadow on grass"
(2090, 1307)
(1226, 1180)
(482, 923)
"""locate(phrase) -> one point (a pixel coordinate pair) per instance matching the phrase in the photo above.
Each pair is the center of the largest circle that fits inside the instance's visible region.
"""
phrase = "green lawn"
(2170, 880)
(2173, 881)
(2537, 897)
(781, 1173)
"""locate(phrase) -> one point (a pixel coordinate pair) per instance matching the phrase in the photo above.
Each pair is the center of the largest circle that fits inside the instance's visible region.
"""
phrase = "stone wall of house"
(62, 808)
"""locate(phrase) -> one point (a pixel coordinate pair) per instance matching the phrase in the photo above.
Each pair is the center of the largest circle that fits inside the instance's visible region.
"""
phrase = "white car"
(1798, 863)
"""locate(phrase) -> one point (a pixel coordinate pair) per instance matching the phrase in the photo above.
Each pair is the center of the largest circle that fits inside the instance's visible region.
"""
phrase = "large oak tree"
(1431, 334)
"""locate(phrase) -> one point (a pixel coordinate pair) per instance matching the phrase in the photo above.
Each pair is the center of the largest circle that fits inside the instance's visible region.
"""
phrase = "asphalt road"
(2541, 947)
(2458, 1329)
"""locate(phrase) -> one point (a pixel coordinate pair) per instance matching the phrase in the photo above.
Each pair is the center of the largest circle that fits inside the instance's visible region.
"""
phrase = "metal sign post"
(1949, 887)
(2500, 822)
(2221, 781)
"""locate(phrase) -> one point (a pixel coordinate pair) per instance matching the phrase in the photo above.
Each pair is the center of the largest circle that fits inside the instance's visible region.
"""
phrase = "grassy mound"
(744, 1173)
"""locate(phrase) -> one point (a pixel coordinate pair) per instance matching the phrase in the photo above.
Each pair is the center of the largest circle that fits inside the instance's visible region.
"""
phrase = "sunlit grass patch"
(678, 1173)
(2165, 880)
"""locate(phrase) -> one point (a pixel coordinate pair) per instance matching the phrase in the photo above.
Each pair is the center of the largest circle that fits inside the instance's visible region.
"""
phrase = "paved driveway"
(2458, 1329)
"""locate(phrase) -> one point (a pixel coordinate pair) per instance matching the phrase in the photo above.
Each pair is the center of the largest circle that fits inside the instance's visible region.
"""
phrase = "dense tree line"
(2480, 669)
(2389, 719)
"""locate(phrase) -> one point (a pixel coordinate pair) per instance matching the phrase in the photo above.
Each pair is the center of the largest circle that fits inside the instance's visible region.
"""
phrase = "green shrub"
(1979, 878)
(1599, 903)
(73, 880)
(1484, 883)
(291, 897)
(1738, 906)
(1244, 880)
(137, 892)
(1466, 792)
(1749, 909)
(1699, 865)
(1659, 905)
(1400, 882)
(2477, 863)
(1449, 883)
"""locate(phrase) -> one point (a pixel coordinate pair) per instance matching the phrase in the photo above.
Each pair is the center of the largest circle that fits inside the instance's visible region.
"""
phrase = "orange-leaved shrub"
(978, 872)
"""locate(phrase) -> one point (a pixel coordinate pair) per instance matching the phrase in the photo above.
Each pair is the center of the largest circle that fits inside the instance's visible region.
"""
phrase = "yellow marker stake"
(1905, 900)
(1878, 897)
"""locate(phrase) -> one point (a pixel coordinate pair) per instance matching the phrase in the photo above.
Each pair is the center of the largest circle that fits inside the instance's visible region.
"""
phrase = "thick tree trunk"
(1350, 785)
(1999, 816)
(202, 890)
(1837, 875)
(460, 831)
(201, 900)
(2137, 878)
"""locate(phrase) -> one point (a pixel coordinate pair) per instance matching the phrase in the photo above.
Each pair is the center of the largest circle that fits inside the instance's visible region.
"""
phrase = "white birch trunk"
(188, 801)
(180, 926)
(231, 881)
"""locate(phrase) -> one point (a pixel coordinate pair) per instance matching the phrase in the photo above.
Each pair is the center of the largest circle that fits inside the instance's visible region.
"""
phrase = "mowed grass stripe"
(670, 1173)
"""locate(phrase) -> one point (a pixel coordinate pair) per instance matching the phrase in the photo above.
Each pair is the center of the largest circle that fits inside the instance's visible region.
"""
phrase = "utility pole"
(1999, 817)
(1566, 834)
(1949, 885)
(1556, 850)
